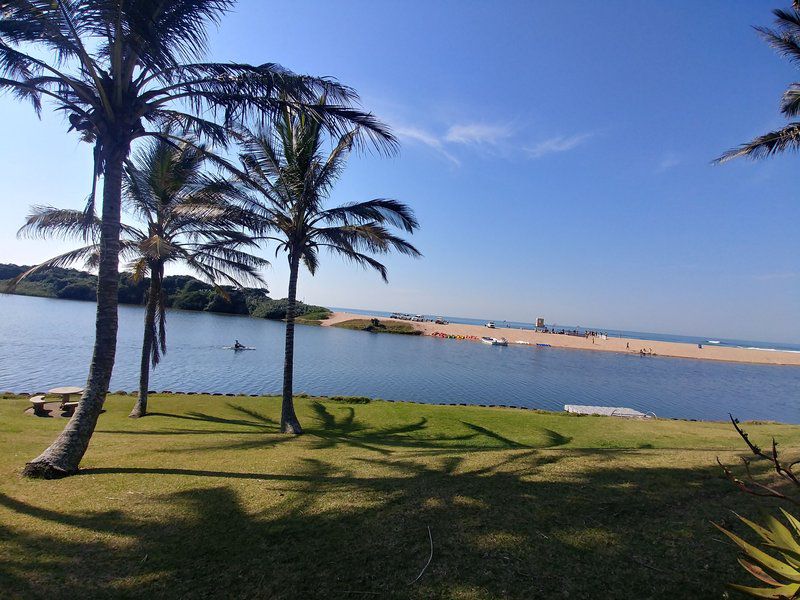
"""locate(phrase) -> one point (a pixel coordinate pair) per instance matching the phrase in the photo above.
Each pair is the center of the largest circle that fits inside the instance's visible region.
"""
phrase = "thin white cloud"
(418, 135)
(560, 143)
(669, 161)
(477, 133)
(486, 137)
(415, 134)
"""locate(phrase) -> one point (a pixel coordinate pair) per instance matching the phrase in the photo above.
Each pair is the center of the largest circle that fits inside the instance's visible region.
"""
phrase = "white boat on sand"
(495, 341)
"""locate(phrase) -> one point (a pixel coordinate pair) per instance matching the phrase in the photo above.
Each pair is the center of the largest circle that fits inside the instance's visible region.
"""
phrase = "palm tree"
(122, 70)
(785, 39)
(189, 220)
(186, 218)
(291, 177)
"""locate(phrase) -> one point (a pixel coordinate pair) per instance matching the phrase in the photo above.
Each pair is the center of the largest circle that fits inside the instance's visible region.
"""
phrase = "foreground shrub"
(781, 574)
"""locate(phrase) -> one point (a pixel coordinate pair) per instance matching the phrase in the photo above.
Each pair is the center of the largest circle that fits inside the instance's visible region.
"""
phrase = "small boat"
(238, 348)
(543, 345)
(495, 341)
(523, 342)
(490, 325)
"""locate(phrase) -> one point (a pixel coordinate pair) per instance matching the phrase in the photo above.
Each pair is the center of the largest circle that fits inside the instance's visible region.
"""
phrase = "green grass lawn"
(381, 326)
(205, 499)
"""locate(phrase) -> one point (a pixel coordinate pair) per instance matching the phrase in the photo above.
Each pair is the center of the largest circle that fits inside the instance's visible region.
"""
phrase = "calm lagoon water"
(45, 343)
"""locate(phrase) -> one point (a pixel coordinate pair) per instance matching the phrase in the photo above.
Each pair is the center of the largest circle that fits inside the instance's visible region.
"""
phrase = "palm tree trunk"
(289, 422)
(140, 408)
(64, 455)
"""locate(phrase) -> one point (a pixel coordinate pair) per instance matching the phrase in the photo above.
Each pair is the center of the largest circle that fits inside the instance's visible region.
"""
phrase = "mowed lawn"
(205, 498)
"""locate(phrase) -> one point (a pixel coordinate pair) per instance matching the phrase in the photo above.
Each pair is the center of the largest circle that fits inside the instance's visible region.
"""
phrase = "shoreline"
(362, 400)
(630, 346)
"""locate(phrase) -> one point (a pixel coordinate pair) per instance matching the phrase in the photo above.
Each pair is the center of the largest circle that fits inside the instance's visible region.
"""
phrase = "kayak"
(235, 349)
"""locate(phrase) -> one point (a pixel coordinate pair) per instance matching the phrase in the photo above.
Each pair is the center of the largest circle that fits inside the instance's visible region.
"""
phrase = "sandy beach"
(624, 345)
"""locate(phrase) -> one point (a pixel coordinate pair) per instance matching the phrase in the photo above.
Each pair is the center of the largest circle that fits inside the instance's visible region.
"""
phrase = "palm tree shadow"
(497, 531)
(349, 431)
(257, 424)
(256, 418)
(343, 428)
(552, 438)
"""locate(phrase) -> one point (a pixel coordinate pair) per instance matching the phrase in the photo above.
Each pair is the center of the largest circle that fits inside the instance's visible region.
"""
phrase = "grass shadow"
(328, 532)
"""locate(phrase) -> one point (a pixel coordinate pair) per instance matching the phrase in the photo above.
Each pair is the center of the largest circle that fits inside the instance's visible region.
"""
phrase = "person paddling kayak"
(237, 345)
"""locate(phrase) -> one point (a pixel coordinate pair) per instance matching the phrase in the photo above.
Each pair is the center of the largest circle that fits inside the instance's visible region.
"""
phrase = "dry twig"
(430, 558)
(751, 485)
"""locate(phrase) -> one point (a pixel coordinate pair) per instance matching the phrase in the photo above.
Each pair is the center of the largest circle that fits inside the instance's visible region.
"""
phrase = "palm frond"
(310, 258)
(48, 222)
(290, 177)
(774, 142)
(790, 102)
(783, 42)
(363, 260)
(139, 269)
(379, 210)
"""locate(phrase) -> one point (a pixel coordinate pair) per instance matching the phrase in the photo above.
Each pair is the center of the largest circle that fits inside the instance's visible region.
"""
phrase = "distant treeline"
(183, 292)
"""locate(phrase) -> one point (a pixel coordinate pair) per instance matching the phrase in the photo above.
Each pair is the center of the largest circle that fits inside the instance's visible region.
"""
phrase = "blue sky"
(557, 155)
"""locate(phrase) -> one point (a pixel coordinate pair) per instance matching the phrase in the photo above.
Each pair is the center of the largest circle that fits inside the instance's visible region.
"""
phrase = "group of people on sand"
(574, 332)
(642, 351)
(450, 336)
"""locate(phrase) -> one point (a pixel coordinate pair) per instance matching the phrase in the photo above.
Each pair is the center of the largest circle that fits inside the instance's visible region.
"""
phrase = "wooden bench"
(38, 406)
(69, 408)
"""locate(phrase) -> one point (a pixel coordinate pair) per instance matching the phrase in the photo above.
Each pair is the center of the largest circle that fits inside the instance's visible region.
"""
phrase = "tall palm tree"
(186, 218)
(122, 70)
(785, 39)
(291, 178)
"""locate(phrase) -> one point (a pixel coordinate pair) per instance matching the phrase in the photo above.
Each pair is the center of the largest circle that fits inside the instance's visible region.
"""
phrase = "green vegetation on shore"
(379, 326)
(205, 497)
(183, 292)
(313, 317)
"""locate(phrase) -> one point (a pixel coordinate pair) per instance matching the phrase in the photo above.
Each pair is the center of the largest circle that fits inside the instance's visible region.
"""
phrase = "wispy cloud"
(418, 135)
(486, 138)
(415, 134)
(560, 143)
(669, 161)
(477, 133)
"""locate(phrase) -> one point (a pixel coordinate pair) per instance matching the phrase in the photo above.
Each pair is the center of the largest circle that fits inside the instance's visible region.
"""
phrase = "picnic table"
(66, 392)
